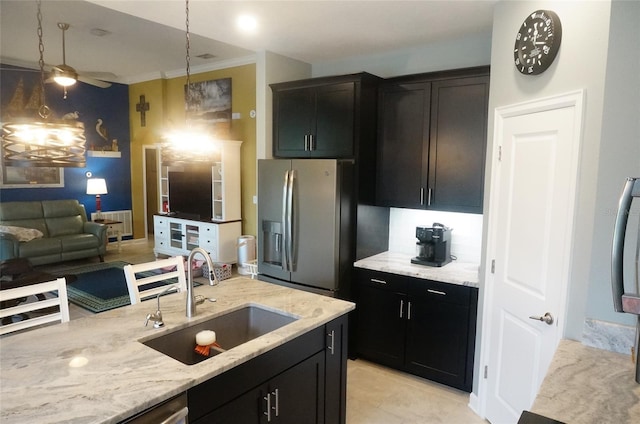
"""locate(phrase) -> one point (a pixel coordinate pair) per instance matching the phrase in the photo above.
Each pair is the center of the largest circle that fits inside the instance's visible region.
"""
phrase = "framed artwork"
(209, 106)
(31, 177)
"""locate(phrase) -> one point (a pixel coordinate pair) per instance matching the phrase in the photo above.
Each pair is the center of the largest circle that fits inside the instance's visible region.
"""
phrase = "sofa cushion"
(40, 247)
(64, 226)
(13, 211)
(21, 233)
(61, 208)
(78, 242)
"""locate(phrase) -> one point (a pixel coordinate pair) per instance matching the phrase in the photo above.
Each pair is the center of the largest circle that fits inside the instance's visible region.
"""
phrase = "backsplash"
(608, 336)
(466, 237)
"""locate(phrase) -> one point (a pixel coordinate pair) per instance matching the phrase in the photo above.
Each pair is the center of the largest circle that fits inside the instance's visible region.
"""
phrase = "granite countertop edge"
(455, 272)
(122, 377)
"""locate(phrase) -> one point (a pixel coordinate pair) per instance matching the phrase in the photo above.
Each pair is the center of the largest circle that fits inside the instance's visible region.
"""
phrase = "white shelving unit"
(225, 187)
(176, 236)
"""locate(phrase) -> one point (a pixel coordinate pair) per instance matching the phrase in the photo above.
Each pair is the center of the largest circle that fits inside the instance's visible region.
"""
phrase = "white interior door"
(529, 248)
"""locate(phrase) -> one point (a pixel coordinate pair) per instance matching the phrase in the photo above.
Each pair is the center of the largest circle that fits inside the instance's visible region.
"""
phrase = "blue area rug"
(101, 287)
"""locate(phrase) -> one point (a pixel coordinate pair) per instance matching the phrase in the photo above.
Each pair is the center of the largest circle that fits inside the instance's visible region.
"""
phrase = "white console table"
(177, 236)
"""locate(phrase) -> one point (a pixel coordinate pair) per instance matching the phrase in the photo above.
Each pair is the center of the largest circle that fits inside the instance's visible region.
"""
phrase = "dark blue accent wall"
(92, 103)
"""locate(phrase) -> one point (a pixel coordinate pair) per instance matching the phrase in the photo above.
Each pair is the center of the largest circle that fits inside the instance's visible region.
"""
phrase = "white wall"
(619, 154)
(451, 54)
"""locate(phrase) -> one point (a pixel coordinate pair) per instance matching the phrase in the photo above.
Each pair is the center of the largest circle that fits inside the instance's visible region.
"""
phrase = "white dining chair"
(40, 306)
(140, 277)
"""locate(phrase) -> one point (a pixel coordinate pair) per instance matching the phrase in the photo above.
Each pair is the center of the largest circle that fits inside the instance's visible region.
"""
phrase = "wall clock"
(537, 42)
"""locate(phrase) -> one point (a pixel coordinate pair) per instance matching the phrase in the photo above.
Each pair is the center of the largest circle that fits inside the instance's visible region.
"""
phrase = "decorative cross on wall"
(142, 107)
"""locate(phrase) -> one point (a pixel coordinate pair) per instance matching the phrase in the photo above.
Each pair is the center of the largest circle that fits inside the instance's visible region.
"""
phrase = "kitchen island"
(586, 385)
(96, 370)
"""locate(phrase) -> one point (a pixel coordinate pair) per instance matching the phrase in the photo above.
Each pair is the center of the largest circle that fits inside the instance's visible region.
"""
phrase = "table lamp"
(97, 186)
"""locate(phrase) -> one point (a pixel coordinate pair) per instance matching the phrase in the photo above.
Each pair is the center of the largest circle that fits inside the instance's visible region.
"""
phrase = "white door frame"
(144, 183)
(571, 99)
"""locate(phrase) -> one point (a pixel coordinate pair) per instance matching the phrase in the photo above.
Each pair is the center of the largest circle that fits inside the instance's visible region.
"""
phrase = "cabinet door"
(293, 114)
(458, 144)
(333, 130)
(297, 395)
(438, 336)
(403, 140)
(336, 370)
(380, 334)
(245, 409)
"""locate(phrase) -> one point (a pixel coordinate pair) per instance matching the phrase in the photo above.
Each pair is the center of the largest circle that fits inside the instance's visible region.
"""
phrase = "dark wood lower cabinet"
(423, 327)
(295, 396)
(302, 381)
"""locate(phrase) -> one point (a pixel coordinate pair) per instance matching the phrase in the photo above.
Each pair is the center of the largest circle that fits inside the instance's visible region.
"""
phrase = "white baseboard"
(474, 404)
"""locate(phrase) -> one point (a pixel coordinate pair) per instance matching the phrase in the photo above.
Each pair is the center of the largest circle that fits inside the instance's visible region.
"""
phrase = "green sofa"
(49, 231)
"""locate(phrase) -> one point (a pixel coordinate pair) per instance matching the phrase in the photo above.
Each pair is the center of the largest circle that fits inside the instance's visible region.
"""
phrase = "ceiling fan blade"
(93, 81)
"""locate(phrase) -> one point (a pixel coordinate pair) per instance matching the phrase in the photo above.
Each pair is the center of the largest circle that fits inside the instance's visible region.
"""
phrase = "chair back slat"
(35, 310)
(137, 282)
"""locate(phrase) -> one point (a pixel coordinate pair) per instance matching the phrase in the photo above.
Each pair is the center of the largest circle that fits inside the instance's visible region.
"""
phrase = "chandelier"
(43, 141)
(189, 144)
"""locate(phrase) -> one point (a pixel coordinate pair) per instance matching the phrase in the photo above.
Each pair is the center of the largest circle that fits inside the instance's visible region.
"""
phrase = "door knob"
(547, 318)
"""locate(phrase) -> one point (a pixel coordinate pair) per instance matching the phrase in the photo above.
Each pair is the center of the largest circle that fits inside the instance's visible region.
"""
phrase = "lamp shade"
(96, 186)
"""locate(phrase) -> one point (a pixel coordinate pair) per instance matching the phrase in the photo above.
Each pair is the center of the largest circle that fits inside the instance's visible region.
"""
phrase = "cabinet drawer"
(442, 292)
(382, 280)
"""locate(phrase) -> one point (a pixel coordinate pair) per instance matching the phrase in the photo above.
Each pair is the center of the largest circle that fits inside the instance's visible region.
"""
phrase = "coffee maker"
(434, 245)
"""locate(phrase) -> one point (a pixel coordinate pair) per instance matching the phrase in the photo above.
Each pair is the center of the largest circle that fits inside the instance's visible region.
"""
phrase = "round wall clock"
(537, 42)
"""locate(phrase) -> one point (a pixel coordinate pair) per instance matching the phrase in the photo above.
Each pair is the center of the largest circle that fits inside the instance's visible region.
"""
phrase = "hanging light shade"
(43, 141)
(190, 144)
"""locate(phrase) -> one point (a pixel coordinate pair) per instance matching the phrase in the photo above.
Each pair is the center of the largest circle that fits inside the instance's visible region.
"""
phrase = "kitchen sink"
(232, 329)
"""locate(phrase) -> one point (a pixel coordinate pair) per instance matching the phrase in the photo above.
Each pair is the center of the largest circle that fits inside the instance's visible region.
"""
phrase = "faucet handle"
(146, 321)
(212, 278)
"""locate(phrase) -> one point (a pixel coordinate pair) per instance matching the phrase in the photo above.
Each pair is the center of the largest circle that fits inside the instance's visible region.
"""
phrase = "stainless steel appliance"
(306, 219)
(172, 411)
(623, 301)
(434, 245)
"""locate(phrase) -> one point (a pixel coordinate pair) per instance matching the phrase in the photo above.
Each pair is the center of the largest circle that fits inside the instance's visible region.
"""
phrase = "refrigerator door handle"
(285, 186)
(631, 189)
(289, 221)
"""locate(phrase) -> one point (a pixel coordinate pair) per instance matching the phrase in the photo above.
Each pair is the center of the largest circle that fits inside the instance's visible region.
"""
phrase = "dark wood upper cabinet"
(329, 117)
(403, 143)
(432, 131)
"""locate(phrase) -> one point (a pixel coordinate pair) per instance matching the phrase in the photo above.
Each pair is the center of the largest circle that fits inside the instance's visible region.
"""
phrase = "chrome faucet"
(157, 316)
(191, 298)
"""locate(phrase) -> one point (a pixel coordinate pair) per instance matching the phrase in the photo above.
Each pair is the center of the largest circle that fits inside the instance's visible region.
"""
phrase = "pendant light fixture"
(43, 141)
(190, 144)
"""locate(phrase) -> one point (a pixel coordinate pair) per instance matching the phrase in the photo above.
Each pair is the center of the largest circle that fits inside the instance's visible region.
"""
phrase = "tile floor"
(375, 394)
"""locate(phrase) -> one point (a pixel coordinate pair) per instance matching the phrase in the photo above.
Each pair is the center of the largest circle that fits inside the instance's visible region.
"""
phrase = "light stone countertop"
(587, 385)
(460, 273)
(122, 376)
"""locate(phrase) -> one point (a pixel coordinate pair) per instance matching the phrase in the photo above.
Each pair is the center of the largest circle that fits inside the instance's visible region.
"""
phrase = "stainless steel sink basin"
(232, 329)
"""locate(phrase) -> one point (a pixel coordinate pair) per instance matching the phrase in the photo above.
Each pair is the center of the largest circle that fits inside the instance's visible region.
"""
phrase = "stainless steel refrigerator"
(625, 258)
(306, 223)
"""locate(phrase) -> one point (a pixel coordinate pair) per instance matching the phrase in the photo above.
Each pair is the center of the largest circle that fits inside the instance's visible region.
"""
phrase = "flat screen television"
(190, 192)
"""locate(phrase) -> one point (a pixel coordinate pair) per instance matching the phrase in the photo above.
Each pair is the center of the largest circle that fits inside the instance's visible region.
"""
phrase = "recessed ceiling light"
(247, 23)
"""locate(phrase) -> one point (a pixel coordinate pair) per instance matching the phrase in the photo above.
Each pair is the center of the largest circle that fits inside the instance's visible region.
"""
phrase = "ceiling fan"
(65, 75)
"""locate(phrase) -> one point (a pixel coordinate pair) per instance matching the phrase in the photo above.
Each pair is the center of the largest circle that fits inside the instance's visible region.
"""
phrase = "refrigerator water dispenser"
(272, 246)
